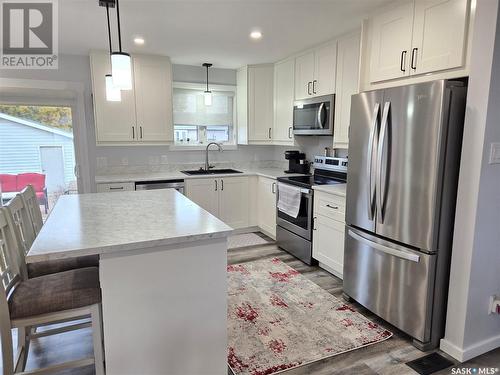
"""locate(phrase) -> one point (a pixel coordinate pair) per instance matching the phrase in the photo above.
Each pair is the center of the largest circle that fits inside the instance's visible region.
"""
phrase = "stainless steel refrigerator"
(404, 156)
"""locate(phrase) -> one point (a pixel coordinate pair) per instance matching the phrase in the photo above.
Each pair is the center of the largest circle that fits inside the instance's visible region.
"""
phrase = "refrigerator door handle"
(381, 183)
(369, 169)
(385, 249)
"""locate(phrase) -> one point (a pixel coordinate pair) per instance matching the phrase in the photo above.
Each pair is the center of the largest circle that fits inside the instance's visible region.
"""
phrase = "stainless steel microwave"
(314, 116)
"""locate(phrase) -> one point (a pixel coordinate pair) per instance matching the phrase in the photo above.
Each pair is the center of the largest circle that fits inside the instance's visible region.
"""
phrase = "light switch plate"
(124, 160)
(495, 153)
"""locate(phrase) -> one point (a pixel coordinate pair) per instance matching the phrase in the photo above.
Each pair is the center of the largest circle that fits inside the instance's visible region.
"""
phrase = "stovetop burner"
(328, 171)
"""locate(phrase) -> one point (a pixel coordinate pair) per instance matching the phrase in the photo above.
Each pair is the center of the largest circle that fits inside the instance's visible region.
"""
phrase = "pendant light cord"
(109, 29)
(119, 28)
(207, 78)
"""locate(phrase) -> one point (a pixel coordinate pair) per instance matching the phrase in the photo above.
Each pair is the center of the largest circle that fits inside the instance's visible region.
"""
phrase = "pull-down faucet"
(207, 165)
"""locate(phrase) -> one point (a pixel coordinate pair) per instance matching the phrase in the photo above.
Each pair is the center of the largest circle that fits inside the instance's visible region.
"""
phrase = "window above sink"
(196, 124)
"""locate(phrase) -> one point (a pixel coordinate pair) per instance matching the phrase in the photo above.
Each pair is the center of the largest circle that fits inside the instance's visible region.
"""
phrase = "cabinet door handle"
(222, 185)
(269, 133)
(133, 132)
(314, 223)
(116, 188)
(140, 128)
(332, 207)
(215, 185)
(309, 88)
(314, 86)
(273, 188)
(290, 132)
(414, 58)
(403, 61)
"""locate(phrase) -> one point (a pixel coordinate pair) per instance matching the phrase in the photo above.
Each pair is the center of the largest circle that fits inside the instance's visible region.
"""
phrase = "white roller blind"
(190, 109)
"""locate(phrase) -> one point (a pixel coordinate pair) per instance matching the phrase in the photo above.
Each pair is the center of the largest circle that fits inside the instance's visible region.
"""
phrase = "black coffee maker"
(297, 162)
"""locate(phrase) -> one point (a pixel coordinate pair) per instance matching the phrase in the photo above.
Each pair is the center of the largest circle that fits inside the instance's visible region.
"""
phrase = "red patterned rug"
(278, 320)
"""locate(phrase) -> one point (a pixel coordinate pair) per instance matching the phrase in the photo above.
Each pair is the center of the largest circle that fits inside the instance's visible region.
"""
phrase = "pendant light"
(121, 62)
(112, 93)
(208, 93)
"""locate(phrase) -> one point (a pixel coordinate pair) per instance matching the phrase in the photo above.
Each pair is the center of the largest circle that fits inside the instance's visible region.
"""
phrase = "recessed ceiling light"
(139, 40)
(256, 35)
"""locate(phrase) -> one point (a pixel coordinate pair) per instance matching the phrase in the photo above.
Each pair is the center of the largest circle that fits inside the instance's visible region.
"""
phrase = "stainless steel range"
(294, 234)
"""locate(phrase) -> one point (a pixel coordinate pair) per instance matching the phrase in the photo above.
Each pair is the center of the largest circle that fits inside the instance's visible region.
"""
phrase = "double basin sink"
(201, 172)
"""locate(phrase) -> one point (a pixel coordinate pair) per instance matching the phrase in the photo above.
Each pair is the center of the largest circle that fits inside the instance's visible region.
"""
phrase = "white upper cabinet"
(347, 85)
(391, 42)
(304, 75)
(115, 121)
(418, 37)
(153, 96)
(315, 72)
(255, 97)
(439, 35)
(283, 102)
(325, 62)
(144, 115)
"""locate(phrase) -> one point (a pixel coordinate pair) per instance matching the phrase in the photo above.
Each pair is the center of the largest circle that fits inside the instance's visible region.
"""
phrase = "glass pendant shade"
(112, 93)
(208, 98)
(121, 70)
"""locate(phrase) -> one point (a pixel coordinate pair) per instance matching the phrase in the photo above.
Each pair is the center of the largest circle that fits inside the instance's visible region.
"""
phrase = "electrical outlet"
(495, 153)
(124, 160)
(494, 305)
(154, 160)
(164, 159)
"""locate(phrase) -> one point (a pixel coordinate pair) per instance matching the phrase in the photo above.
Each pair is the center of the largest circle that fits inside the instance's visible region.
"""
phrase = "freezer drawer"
(394, 282)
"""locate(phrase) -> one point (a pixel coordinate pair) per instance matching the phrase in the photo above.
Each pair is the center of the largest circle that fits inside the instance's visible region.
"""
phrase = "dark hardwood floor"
(386, 358)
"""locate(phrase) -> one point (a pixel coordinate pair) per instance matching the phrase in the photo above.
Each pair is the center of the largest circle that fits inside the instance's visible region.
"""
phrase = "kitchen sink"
(199, 172)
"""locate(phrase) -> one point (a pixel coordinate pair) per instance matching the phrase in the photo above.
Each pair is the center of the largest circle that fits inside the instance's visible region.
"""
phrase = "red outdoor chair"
(11, 183)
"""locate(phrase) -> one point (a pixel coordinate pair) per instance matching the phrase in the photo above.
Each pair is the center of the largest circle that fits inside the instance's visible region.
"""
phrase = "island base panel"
(164, 310)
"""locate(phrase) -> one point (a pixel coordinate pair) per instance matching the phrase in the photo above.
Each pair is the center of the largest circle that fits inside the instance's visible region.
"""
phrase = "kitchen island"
(162, 272)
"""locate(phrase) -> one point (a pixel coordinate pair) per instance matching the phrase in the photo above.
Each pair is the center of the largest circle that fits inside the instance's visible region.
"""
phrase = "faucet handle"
(211, 166)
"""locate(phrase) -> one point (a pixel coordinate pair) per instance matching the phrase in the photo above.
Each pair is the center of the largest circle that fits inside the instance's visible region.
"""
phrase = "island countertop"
(103, 223)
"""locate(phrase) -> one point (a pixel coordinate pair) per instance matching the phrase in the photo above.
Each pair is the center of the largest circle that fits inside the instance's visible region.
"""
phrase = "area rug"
(245, 240)
(278, 320)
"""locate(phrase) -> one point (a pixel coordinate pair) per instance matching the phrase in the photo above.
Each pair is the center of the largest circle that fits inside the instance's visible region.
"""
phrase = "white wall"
(475, 268)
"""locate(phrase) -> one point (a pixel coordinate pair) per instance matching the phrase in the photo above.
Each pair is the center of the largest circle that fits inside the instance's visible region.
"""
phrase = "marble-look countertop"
(104, 223)
(338, 189)
(159, 176)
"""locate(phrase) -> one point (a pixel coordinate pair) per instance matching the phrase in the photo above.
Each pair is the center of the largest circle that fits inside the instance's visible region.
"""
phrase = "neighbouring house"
(27, 146)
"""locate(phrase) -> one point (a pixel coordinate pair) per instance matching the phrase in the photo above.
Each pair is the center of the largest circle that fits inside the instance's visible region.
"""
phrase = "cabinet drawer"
(329, 205)
(115, 187)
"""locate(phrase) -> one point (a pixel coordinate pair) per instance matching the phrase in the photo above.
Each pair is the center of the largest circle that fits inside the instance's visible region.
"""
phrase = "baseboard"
(471, 351)
(246, 230)
(331, 270)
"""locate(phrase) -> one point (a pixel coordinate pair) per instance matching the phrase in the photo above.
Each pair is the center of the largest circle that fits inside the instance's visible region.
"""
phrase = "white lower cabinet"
(226, 198)
(233, 201)
(266, 205)
(328, 233)
(115, 187)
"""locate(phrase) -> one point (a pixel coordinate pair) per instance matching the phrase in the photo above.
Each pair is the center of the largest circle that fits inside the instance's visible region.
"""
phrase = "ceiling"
(216, 31)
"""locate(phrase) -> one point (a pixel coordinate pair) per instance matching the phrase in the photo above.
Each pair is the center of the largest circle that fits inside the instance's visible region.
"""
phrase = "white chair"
(27, 225)
(23, 222)
(24, 303)
(28, 195)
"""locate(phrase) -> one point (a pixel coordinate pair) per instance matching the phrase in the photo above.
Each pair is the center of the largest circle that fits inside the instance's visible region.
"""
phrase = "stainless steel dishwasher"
(163, 184)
